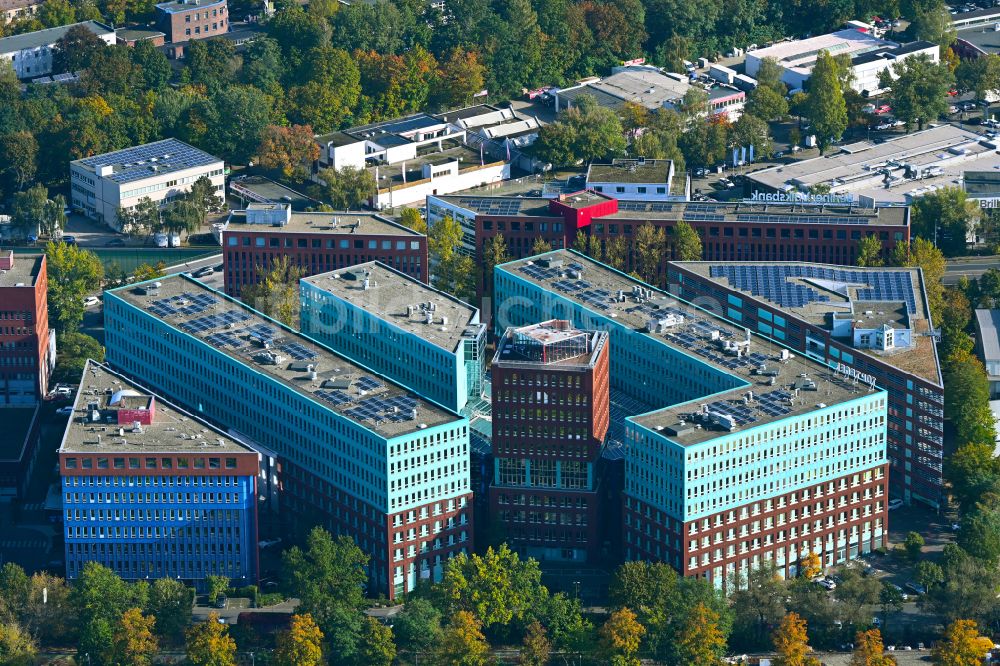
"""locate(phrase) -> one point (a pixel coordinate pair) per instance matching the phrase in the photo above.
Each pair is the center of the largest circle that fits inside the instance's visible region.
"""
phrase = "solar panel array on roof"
(262, 333)
(772, 283)
(399, 408)
(149, 160)
(336, 398)
(539, 272)
(800, 219)
(498, 206)
(367, 383)
(224, 339)
(183, 304)
(208, 322)
(298, 351)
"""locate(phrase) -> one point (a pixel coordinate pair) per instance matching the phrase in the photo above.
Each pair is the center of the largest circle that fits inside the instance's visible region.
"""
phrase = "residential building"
(18, 450)
(894, 172)
(550, 414)
(747, 452)
(639, 179)
(736, 231)
(359, 454)
(316, 242)
(870, 56)
(162, 171)
(31, 53)
(416, 156)
(652, 88)
(152, 491)
(184, 20)
(872, 321)
(395, 324)
(27, 345)
(12, 10)
(988, 347)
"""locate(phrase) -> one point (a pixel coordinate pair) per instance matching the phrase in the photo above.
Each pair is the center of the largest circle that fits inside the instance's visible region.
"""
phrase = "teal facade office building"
(360, 454)
(419, 336)
(749, 452)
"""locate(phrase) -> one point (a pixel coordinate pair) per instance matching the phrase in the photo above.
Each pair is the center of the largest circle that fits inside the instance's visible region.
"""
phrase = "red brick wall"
(200, 21)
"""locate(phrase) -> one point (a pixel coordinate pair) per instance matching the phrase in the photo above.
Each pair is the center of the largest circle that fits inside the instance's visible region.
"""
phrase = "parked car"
(91, 301)
(115, 242)
(202, 272)
(221, 601)
(160, 239)
(69, 240)
(268, 542)
(895, 504)
(916, 588)
(883, 108)
(65, 411)
(826, 584)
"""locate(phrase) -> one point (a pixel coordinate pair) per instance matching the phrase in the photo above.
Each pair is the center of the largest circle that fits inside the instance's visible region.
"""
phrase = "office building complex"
(162, 171)
(151, 491)
(870, 321)
(400, 327)
(27, 346)
(359, 454)
(639, 180)
(988, 347)
(184, 20)
(30, 54)
(729, 231)
(316, 242)
(550, 415)
(748, 452)
(18, 449)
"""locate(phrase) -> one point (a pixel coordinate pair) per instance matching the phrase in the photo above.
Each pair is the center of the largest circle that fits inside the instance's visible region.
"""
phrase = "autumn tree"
(462, 643)
(412, 219)
(961, 646)
(536, 647)
(209, 643)
(377, 646)
(649, 245)
(621, 637)
(460, 76)
(869, 651)
(288, 150)
(687, 242)
(135, 643)
(870, 251)
(791, 643)
(811, 565)
(301, 644)
(540, 246)
(276, 290)
(17, 646)
(451, 270)
(494, 253)
(701, 642)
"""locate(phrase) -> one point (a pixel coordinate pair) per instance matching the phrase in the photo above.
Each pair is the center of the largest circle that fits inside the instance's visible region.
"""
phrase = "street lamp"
(253, 662)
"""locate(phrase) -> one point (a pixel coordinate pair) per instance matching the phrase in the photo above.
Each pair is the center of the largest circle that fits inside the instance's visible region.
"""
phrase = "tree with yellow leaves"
(700, 641)
(135, 643)
(791, 643)
(811, 565)
(961, 646)
(621, 636)
(302, 644)
(462, 643)
(209, 644)
(869, 650)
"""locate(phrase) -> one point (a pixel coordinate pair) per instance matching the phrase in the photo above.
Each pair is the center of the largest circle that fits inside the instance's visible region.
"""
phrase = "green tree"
(418, 627)
(134, 642)
(494, 253)
(211, 63)
(17, 646)
(649, 247)
(947, 215)
(15, 590)
(585, 132)
(919, 89)
(758, 602)
(330, 89)
(913, 544)
(301, 644)
(870, 251)
(462, 643)
(923, 255)
(750, 130)
(451, 271)
(791, 643)
(73, 273)
(966, 404)
(203, 196)
(767, 103)
(152, 64)
(209, 644)
(74, 350)
(378, 648)
(969, 589)
(702, 642)
(855, 594)
(961, 646)
(621, 637)
(826, 108)
(536, 648)
(217, 585)
(276, 290)
(139, 219)
(75, 50)
(890, 600)
(540, 246)
(32, 208)
(929, 574)
(346, 188)
(687, 242)
(931, 21)
(18, 161)
(181, 216)
(979, 75)
(980, 533)
(170, 603)
(412, 219)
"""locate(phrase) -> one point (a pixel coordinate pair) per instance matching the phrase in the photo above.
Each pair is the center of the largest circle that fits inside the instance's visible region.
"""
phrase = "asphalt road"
(971, 267)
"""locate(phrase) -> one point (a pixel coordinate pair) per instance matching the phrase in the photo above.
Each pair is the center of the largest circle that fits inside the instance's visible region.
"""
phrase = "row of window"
(136, 462)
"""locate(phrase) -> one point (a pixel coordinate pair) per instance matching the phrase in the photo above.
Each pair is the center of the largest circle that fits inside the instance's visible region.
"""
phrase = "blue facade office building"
(419, 336)
(359, 454)
(150, 491)
(751, 453)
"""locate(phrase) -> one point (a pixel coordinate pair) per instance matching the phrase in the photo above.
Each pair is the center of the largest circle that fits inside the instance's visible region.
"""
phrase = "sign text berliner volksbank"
(800, 197)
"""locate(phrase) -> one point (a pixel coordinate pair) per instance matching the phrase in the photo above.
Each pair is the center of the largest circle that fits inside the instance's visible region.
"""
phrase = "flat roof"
(342, 386)
(801, 54)
(988, 323)
(377, 131)
(272, 191)
(148, 160)
(654, 172)
(173, 430)
(716, 211)
(454, 150)
(336, 223)
(47, 37)
(860, 168)
(14, 434)
(560, 338)
(982, 183)
(811, 292)
(182, 6)
(468, 112)
(136, 34)
(701, 335)
(399, 300)
(24, 272)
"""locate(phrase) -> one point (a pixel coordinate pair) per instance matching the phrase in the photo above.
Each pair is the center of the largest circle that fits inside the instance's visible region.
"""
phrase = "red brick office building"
(317, 242)
(550, 417)
(26, 352)
(737, 231)
(184, 20)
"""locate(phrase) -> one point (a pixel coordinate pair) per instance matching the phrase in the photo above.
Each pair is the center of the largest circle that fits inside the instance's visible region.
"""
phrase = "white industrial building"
(870, 56)
(31, 53)
(162, 171)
